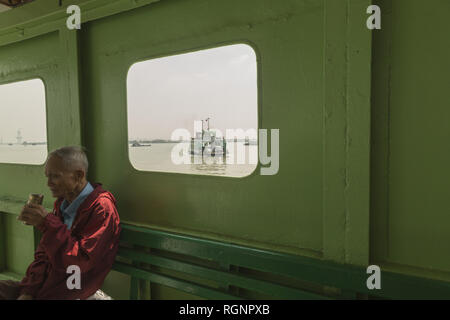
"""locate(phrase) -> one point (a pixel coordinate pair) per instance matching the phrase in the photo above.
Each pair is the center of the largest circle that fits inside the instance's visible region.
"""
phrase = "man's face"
(61, 181)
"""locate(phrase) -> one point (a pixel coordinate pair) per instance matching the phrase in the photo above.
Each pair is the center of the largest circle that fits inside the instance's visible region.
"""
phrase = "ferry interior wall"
(347, 102)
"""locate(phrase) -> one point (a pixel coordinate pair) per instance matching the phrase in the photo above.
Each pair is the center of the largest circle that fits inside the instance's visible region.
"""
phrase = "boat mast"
(19, 137)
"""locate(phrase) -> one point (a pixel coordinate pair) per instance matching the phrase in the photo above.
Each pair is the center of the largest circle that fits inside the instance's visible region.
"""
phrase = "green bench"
(217, 270)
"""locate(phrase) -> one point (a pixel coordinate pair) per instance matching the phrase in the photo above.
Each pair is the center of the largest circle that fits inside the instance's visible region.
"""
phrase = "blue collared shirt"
(69, 211)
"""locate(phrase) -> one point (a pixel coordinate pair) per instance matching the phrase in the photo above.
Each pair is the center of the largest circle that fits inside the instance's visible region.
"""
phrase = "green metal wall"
(325, 80)
(283, 210)
(410, 224)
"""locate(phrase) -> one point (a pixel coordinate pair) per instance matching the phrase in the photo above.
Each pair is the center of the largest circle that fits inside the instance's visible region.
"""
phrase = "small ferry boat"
(249, 142)
(206, 143)
(137, 144)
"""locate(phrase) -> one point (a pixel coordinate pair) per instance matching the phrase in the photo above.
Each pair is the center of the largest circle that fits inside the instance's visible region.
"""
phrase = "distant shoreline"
(170, 141)
(23, 144)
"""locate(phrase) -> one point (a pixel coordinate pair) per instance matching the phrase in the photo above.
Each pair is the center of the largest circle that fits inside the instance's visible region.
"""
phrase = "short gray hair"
(73, 157)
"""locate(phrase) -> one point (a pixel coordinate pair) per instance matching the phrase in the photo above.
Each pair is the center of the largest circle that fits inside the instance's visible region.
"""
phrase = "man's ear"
(80, 174)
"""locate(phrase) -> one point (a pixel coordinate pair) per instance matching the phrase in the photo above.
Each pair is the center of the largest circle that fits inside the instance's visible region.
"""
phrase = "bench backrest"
(218, 270)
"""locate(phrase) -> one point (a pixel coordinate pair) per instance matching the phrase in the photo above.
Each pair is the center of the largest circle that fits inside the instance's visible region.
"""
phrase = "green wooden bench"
(217, 270)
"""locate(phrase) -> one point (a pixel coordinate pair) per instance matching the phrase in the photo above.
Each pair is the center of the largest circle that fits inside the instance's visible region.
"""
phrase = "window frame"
(44, 83)
(193, 50)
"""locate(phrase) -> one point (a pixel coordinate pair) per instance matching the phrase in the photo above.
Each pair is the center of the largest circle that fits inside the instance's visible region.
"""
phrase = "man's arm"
(35, 275)
(85, 251)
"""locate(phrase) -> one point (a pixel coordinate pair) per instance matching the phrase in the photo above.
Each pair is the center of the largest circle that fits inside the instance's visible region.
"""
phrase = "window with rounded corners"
(23, 125)
(195, 113)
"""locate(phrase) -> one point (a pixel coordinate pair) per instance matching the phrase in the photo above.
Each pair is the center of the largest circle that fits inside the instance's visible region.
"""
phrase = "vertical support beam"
(144, 290)
(71, 111)
(358, 142)
(2, 243)
(347, 86)
(134, 288)
(226, 267)
(380, 149)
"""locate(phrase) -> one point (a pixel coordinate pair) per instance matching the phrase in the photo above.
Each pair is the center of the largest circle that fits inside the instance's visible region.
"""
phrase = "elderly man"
(81, 234)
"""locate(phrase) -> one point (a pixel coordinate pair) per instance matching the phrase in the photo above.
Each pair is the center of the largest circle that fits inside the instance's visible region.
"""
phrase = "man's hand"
(32, 214)
(25, 297)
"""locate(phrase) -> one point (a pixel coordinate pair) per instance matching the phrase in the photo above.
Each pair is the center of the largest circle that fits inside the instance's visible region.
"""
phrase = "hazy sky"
(163, 94)
(172, 92)
(22, 106)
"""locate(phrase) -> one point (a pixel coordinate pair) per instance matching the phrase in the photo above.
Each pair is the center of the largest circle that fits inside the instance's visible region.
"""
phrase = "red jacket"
(91, 244)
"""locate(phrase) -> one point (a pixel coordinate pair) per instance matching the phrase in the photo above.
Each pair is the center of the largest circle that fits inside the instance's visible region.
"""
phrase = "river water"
(156, 157)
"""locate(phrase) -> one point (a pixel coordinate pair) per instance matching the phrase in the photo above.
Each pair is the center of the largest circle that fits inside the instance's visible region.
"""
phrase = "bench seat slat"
(275, 290)
(183, 285)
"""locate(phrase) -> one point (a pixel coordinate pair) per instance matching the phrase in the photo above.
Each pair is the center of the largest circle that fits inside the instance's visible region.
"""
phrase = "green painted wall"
(282, 210)
(39, 57)
(244, 210)
(19, 244)
(361, 115)
(410, 224)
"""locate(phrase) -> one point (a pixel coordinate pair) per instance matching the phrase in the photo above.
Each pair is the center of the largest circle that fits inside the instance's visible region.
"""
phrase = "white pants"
(99, 295)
